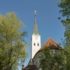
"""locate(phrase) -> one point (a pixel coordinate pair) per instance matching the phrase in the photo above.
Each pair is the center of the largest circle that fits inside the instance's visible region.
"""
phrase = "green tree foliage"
(67, 52)
(53, 60)
(65, 7)
(65, 11)
(11, 42)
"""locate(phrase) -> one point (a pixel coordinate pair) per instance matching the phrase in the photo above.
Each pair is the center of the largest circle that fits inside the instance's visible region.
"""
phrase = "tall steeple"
(35, 31)
(36, 38)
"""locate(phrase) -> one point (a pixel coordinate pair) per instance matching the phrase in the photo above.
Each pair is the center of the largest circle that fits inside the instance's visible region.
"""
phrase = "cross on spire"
(35, 12)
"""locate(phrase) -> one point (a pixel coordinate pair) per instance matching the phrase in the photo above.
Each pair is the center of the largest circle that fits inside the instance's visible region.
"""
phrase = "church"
(36, 49)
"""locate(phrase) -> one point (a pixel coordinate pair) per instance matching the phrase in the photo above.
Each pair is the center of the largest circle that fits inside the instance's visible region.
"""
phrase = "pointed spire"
(35, 31)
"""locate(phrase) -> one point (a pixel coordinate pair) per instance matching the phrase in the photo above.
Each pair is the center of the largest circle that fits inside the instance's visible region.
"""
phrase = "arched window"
(37, 44)
(34, 44)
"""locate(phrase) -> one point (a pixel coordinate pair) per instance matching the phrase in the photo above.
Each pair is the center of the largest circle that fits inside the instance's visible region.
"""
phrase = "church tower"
(36, 38)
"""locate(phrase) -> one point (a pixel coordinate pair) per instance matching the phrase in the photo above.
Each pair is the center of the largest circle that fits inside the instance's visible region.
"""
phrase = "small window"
(34, 44)
(38, 44)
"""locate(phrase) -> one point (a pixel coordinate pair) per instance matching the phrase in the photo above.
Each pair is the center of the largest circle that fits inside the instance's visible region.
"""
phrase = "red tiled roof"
(51, 44)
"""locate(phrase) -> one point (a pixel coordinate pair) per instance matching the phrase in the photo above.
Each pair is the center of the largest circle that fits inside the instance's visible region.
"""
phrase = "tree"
(50, 59)
(65, 11)
(11, 42)
(53, 60)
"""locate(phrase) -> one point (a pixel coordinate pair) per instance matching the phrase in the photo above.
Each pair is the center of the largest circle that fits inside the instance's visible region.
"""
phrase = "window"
(38, 44)
(34, 44)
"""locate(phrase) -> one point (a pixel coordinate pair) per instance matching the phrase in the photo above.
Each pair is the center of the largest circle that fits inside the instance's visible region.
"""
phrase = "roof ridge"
(51, 43)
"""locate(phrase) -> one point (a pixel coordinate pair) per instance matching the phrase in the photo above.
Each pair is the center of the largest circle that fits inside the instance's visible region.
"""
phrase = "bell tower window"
(37, 44)
(34, 44)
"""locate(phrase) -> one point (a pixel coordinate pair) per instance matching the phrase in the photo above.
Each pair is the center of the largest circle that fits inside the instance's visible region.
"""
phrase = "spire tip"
(35, 12)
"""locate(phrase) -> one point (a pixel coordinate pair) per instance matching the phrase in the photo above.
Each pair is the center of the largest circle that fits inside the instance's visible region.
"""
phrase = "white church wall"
(36, 44)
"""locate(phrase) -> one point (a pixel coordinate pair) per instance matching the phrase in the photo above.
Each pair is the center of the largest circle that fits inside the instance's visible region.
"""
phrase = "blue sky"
(47, 16)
